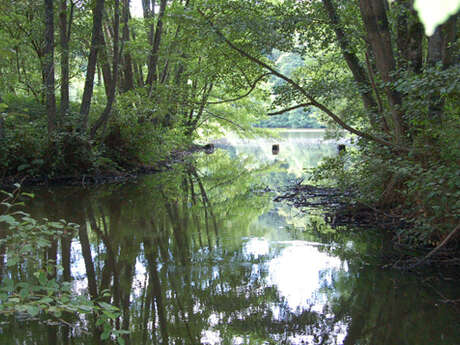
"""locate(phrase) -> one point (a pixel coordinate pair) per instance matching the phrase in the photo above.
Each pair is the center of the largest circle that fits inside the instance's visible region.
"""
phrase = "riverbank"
(120, 175)
(341, 210)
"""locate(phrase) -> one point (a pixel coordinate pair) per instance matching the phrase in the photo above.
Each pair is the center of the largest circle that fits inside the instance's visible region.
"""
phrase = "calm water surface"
(200, 255)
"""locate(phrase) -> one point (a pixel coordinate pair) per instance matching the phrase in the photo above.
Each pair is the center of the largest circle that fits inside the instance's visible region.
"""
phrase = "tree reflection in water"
(196, 256)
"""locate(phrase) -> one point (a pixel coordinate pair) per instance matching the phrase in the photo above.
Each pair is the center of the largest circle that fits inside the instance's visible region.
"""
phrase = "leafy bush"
(424, 192)
(139, 133)
(22, 146)
(37, 293)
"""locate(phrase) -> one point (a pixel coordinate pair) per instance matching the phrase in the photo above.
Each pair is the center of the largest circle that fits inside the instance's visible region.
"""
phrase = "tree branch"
(376, 92)
(439, 246)
(299, 88)
(223, 118)
(303, 105)
(253, 86)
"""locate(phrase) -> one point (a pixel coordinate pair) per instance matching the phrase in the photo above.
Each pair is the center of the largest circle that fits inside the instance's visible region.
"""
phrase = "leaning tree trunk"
(353, 63)
(104, 66)
(91, 67)
(48, 67)
(111, 99)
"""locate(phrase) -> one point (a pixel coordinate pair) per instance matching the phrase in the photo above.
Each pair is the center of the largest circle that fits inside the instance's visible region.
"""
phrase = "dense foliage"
(87, 88)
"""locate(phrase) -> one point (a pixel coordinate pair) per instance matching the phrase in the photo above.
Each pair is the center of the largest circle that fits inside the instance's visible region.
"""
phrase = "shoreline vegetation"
(116, 176)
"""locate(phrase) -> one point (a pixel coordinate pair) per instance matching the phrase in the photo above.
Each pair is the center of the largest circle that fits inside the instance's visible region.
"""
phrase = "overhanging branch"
(225, 119)
(299, 88)
(253, 86)
(303, 105)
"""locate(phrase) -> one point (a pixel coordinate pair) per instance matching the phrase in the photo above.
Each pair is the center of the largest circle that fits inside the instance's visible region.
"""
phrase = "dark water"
(200, 255)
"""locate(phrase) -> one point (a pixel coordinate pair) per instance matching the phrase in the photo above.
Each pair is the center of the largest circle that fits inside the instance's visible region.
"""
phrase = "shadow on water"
(198, 255)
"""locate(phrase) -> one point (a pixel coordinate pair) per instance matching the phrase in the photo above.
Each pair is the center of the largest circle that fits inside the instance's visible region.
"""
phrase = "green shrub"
(37, 293)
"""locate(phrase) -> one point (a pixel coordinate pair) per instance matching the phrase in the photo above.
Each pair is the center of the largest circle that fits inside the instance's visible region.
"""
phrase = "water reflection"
(296, 150)
(199, 255)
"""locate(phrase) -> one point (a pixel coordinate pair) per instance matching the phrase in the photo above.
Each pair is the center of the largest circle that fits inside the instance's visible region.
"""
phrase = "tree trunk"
(449, 53)
(104, 65)
(153, 58)
(64, 33)
(128, 79)
(137, 68)
(102, 120)
(48, 67)
(2, 135)
(379, 36)
(91, 67)
(441, 51)
(88, 258)
(149, 13)
(410, 36)
(353, 63)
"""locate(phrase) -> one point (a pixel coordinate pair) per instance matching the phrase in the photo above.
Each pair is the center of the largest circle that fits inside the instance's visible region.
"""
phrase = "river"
(201, 254)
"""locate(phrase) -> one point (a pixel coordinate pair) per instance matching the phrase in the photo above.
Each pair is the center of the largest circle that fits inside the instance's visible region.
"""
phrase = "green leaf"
(108, 306)
(56, 225)
(30, 195)
(8, 219)
(33, 310)
(85, 308)
(23, 167)
(45, 300)
(105, 335)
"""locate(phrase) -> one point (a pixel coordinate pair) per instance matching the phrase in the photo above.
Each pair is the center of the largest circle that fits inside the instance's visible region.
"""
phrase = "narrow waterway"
(201, 254)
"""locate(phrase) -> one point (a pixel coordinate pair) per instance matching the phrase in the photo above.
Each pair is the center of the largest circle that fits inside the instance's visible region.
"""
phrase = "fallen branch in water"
(438, 247)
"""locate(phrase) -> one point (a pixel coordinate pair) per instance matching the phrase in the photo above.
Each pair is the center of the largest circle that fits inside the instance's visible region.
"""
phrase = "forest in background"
(145, 86)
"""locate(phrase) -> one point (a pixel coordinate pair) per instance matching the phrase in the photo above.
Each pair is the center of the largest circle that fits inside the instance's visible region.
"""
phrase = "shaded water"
(200, 255)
